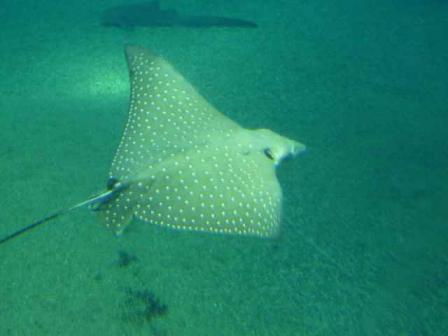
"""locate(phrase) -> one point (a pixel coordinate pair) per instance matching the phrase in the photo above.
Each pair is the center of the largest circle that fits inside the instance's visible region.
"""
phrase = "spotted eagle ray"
(184, 165)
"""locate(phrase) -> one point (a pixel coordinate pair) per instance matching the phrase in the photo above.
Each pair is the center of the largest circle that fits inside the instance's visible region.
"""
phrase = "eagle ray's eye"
(268, 153)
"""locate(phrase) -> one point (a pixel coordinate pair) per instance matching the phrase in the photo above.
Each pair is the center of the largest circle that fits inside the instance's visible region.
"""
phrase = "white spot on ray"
(188, 166)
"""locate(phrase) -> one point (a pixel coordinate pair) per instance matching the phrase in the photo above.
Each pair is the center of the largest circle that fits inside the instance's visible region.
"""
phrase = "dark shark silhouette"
(151, 15)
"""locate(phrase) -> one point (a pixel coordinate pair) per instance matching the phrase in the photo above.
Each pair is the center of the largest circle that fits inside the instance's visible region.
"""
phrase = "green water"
(363, 245)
